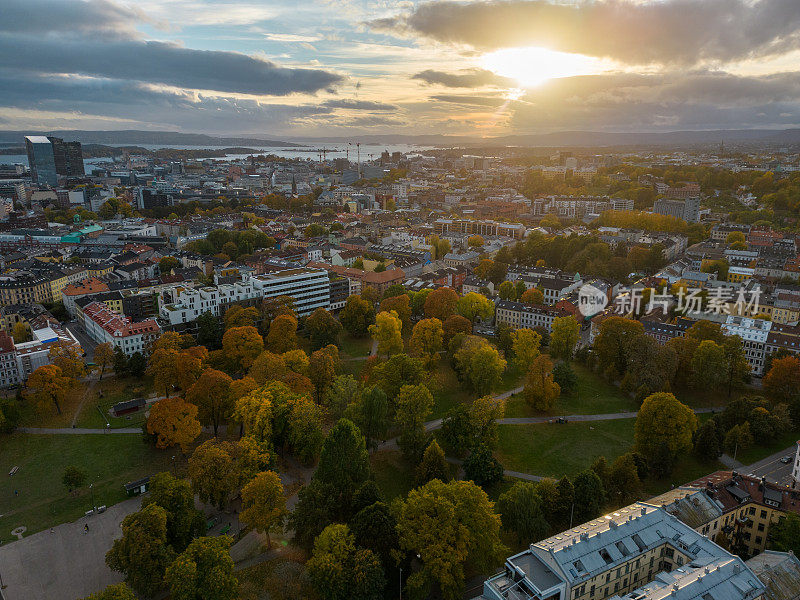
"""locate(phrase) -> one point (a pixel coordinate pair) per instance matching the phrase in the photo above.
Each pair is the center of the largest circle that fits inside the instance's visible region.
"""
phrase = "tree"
(388, 332)
(565, 377)
(73, 477)
(103, 357)
(173, 422)
(374, 527)
(204, 571)
(563, 337)
(399, 370)
(525, 344)
(784, 536)
(541, 391)
(473, 306)
(612, 345)
(167, 263)
(169, 340)
(120, 362)
(507, 291)
(426, 340)
(371, 413)
(267, 366)
(589, 496)
(401, 305)
(342, 571)
(137, 365)
(344, 462)
(475, 241)
(533, 296)
(212, 395)
(142, 554)
(241, 346)
(707, 442)
(782, 382)
(479, 364)
(47, 385)
(264, 504)
(341, 393)
(709, 365)
(456, 433)
(737, 369)
(163, 368)
(68, 358)
(322, 370)
(357, 316)
(211, 469)
(433, 465)
(208, 330)
(522, 512)
(305, 429)
(323, 329)
(441, 303)
(664, 422)
(240, 316)
(738, 438)
(448, 525)
(184, 521)
(483, 468)
(623, 479)
(119, 591)
(414, 404)
(454, 325)
(483, 415)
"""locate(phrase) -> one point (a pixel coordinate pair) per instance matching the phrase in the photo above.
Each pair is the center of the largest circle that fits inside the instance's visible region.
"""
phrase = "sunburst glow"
(533, 66)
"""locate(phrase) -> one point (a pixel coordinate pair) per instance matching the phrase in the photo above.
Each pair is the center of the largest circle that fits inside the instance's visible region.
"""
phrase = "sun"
(532, 66)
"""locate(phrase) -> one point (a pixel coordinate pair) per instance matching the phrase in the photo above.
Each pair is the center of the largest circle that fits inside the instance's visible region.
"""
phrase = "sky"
(345, 67)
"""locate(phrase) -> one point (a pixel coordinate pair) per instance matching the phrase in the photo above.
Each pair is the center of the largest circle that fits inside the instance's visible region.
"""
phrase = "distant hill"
(145, 138)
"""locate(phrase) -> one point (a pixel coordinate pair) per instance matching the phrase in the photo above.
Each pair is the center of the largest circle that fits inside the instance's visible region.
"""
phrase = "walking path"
(75, 430)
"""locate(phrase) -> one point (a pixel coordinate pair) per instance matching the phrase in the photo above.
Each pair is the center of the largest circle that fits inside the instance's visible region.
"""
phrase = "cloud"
(468, 100)
(59, 36)
(359, 105)
(674, 32)
(466, 78)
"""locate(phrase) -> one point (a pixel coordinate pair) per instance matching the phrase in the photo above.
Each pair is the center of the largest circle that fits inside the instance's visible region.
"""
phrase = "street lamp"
(401, 583)
(91, 489)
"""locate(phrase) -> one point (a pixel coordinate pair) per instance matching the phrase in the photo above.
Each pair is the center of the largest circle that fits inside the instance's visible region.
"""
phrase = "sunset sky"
(353, 66)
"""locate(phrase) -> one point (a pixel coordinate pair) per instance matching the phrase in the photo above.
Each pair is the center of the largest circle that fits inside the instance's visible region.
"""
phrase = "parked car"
(787, 459)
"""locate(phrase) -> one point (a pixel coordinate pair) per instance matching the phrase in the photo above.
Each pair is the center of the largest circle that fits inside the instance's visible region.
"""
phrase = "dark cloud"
(98, 39)
(359, 105)
(466, 78)
(468, 100)
(666, 32)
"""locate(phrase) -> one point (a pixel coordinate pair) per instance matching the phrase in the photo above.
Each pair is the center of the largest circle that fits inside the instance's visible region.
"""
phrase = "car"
(787, 459)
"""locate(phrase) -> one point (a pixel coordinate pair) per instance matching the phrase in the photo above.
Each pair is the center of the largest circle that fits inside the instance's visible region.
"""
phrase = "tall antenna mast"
(358, 148)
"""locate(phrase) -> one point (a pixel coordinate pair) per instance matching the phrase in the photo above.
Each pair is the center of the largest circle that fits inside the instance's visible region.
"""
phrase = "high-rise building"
(50, 158)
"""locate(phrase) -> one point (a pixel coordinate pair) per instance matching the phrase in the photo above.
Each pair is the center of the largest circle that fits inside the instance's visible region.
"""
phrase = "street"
(772, 468)
(86, 342)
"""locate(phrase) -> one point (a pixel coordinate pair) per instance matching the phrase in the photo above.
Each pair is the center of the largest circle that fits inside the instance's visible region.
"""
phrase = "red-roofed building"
(74, 291)
(104, 325)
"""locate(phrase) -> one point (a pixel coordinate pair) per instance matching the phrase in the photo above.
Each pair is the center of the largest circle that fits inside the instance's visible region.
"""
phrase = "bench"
(13, 471)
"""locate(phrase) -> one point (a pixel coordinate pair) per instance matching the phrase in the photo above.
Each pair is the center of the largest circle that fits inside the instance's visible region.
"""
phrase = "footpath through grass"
(109, 460)
(95, 415)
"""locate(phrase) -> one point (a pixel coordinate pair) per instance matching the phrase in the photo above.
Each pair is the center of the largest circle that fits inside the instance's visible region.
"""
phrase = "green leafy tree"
(449, 526)
(323, 329)
(738, 438)
(342, 571)
(707, 442)
(522, 512)
(664, 422)
(623, 480)
(264, 503)
(371, 413)
(341, 393)
(357, 316)
(589, 496)
(563, 337)
(142, 554)
(374, 527)
(211, 469)
(433, 465)
(399, 370)
(479, 365)
(709, 366)
(184, 521)
(565, 377)
(473, 306)
(525, 344)
(483, 468)
(204, 571)
(426, 340)
(784, 536)
(119, 591)
(209, 332)
(388, 333)
(414, 405)
(612, 347)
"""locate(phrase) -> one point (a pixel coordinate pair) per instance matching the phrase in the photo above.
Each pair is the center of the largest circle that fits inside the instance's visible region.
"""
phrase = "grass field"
(94, 414)
(354, 347)
(757, 452)
(392, 474)
(593, 395)
(109, 461)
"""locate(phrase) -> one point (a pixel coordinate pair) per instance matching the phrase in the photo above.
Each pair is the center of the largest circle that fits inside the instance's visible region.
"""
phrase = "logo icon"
(591, 301)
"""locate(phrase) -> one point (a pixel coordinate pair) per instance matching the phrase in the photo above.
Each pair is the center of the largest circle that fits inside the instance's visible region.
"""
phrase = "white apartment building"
(104, 325)
(754, 334)
(310, 289)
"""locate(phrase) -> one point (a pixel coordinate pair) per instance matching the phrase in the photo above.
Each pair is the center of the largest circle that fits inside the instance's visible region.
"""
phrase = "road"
(772, 468)
(87, 343)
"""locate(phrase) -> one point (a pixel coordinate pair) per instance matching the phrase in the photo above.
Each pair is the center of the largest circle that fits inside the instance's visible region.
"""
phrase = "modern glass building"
(41, 160)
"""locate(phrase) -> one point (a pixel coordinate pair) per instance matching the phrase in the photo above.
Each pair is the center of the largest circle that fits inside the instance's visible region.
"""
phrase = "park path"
(89, 388)
(75, 430)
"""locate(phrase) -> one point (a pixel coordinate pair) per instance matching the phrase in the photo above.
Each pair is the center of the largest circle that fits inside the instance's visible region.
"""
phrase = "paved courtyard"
(67, 563)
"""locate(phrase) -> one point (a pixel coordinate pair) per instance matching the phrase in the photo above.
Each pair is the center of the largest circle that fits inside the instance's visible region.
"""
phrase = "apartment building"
(309, 288)
(104, 325)
(525, 316)
(640, 548)
(23, 288)
(754, 334)
(484, 228)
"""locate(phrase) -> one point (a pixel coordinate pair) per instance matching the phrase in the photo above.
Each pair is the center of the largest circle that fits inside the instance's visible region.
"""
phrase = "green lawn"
(94, 414)
(394, 476)
(354, 347)
(108, 460)
(593, 395)
(554, 450)
(758, 452)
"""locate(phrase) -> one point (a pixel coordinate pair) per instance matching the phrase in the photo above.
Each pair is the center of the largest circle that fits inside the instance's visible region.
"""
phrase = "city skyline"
(356, 67)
